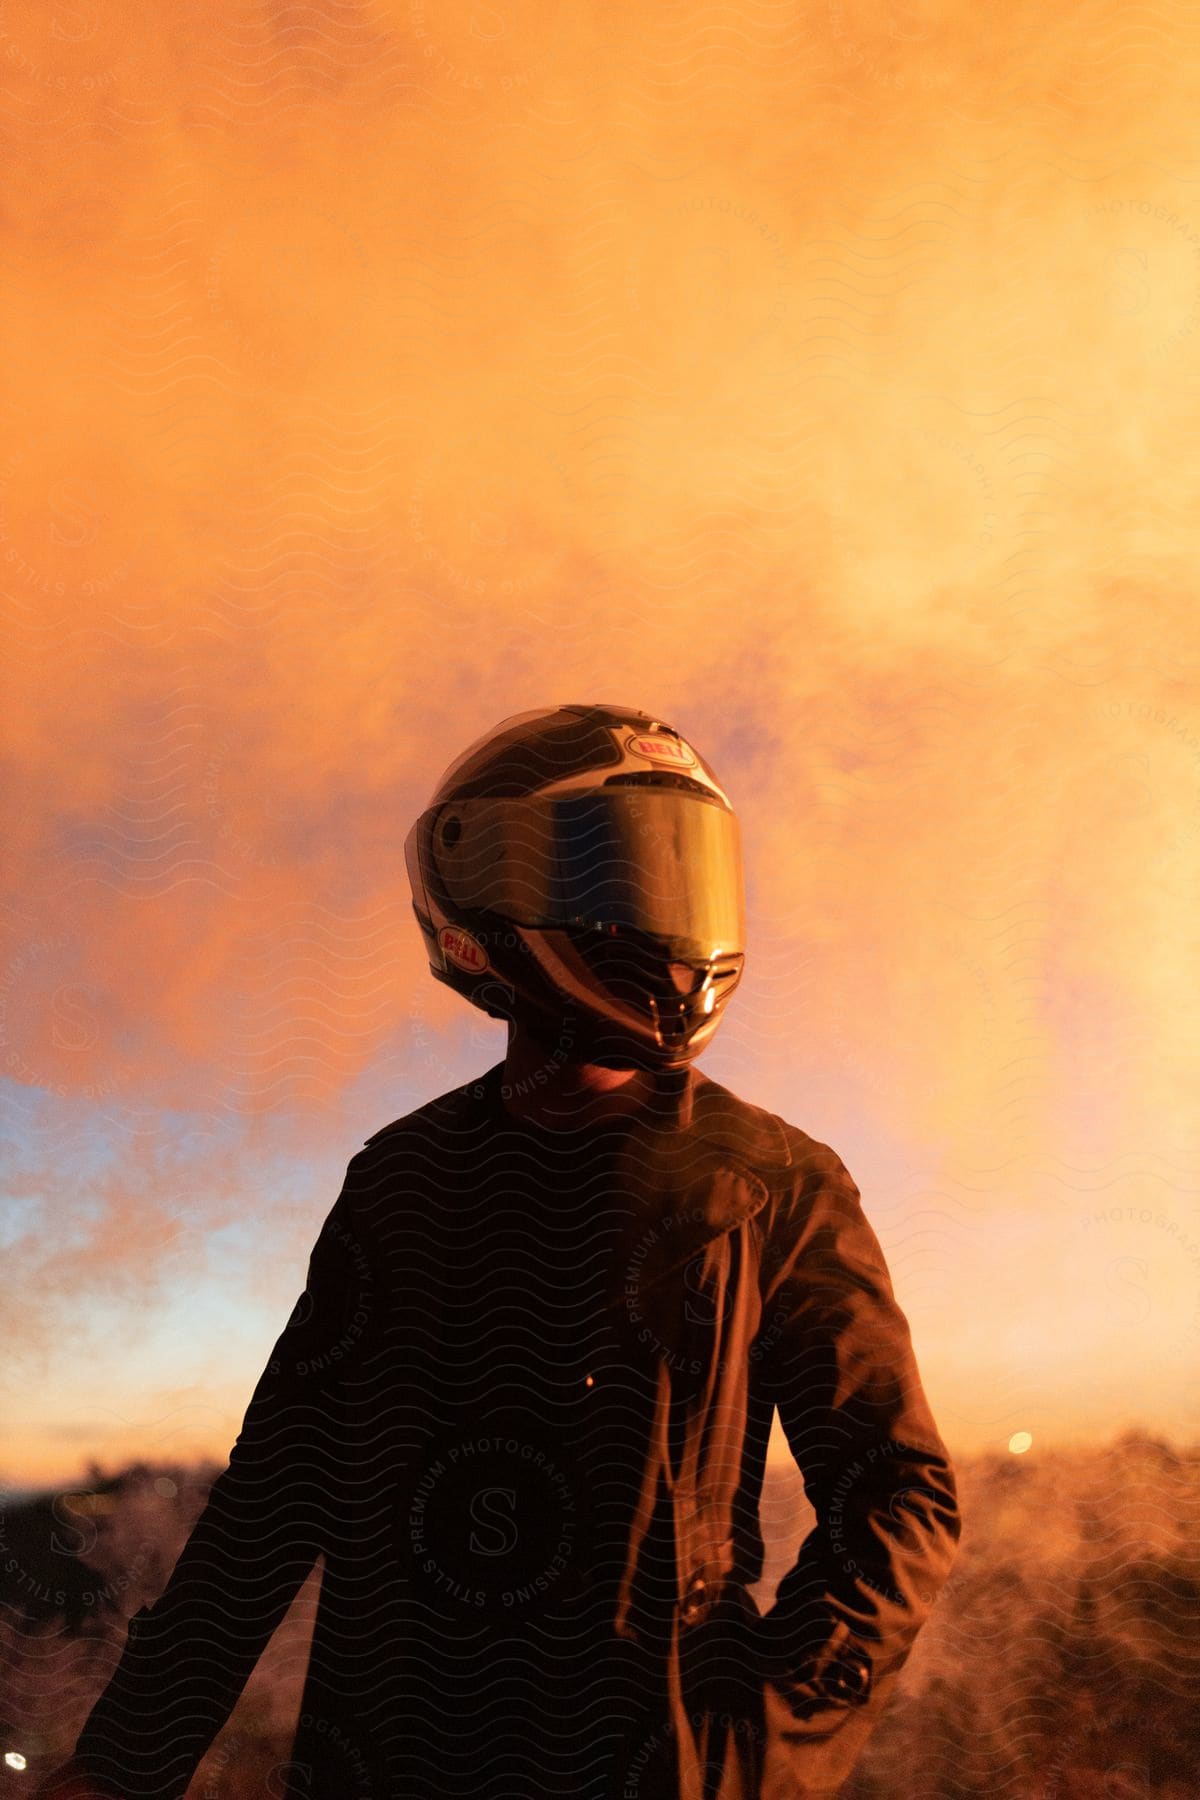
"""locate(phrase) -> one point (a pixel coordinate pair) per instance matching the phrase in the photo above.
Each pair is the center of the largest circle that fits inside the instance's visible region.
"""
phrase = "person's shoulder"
(457, 1107)
(768, 1143)
(756, 1136)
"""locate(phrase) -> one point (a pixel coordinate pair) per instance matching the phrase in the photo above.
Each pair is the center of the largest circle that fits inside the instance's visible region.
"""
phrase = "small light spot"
(1020, 1442)
(13, 1759)
(590, 1381)
(165, 1486)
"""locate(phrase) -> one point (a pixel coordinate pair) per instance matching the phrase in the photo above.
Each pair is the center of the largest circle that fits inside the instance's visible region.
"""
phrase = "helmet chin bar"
(667, 1034)
(572, 1036)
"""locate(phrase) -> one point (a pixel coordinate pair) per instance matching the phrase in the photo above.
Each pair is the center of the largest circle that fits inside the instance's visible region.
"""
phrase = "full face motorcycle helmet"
(579, 869)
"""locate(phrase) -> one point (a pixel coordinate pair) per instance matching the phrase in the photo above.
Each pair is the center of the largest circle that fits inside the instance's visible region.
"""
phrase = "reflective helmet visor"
(658, 861)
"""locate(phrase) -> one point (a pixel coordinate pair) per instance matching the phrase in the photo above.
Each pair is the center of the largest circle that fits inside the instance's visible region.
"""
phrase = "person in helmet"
(522, 1407)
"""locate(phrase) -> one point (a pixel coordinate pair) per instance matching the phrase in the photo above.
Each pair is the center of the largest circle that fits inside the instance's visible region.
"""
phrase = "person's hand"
(809, 1699)
(71, 1781)
(834, 1682)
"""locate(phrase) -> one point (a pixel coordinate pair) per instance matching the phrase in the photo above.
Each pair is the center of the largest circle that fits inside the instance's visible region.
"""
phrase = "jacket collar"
(690, 1169)
(731, 1126)
(694, 1172)
(704, 1117)
(692, 1162)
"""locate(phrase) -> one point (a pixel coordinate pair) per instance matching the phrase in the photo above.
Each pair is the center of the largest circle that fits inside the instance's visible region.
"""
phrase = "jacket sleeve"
(839, 1366)
(187, 1658)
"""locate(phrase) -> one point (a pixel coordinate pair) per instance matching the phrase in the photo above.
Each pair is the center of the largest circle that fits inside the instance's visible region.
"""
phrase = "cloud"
(823, 385)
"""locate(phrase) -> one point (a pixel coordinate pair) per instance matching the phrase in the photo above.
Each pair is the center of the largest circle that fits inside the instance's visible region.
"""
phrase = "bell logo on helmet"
(661, 750)
(462, 949)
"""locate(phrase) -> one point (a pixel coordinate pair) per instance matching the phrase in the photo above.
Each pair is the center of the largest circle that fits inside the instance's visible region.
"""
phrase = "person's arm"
(188, 1657)
(839, 1366)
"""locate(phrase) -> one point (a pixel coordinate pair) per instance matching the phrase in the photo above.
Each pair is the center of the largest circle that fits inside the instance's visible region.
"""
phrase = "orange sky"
(822, 379)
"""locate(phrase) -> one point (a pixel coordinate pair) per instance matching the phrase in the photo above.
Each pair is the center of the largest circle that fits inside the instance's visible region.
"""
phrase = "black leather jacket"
(730, 1271)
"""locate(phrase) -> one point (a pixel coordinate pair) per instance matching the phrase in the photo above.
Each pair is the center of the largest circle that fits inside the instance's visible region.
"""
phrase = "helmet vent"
(660, 778)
